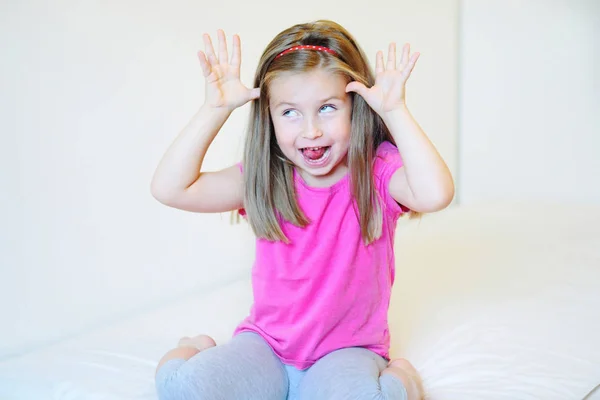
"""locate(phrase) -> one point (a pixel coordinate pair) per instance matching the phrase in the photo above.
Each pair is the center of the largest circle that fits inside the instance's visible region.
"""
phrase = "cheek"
(341, 127)
(284, 133)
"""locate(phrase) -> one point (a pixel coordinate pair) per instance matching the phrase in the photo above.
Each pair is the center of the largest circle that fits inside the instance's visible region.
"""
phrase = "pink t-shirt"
(326, 290)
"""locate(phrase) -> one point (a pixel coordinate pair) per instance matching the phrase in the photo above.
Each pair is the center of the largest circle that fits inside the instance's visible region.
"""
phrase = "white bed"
(491, 302)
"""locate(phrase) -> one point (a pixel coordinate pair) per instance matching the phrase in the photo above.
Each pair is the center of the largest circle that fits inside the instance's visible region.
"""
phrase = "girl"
(322, 185)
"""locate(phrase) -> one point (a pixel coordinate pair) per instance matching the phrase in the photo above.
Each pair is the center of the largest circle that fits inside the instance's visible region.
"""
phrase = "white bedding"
(118, 362)
(490, 303)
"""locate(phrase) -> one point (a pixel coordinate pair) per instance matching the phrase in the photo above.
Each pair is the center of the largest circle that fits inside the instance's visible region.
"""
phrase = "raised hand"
(388, 93)
(223, 86)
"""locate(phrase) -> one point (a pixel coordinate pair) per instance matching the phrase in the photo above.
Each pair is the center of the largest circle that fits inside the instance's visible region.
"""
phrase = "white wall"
(529, 100)
(91, 95)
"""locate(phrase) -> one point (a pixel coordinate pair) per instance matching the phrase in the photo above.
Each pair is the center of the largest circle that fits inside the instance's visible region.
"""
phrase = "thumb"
(356, 87)
(254, 93)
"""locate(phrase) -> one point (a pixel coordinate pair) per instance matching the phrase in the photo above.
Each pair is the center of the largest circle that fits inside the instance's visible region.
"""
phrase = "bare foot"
(404, 370)
(200, 342)
(187, 348)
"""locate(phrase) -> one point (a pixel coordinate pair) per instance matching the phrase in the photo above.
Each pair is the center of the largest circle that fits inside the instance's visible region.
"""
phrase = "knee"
(339, 387)
(167, 378)
(173, 382)
(388, 388)
(179, 353)
(392, 388)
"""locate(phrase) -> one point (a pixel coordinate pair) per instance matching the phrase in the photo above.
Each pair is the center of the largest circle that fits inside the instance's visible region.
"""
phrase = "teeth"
(326, 154)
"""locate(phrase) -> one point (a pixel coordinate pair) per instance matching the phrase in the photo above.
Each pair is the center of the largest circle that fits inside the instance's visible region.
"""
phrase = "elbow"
(160, 194)
(438, 200)
(444, 196)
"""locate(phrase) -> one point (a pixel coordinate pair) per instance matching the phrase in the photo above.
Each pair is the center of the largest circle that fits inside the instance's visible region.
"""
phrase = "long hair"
(269, 195)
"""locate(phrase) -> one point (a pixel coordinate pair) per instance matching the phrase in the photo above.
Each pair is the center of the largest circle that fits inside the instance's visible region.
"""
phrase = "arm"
(424, 183)
(179, 180)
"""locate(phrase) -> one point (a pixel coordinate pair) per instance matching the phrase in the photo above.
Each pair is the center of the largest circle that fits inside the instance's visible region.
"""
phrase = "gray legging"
(247, 369)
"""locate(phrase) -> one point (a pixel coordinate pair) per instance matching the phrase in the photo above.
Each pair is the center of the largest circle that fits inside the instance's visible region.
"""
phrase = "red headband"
(307, 47)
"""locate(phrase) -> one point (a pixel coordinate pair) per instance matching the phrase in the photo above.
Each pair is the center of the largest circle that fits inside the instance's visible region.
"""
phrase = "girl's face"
(311, 113)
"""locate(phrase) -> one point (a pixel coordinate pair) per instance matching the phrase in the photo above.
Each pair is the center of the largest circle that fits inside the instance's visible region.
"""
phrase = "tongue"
(314, 153)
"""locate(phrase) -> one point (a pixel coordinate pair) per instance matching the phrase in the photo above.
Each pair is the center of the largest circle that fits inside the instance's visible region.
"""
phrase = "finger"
(236, 55)
(405, 53)
(204, 64)
(379, 62)
(254, 93)
(411, 64)
(391, 61)
(356, 87)
(223, 56)
(209, 50)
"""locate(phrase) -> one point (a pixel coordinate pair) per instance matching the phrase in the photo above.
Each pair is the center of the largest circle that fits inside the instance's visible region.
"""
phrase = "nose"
(312, 130)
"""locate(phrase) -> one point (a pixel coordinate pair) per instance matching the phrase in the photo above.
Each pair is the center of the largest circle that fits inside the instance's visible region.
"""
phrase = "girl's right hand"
(223, 86)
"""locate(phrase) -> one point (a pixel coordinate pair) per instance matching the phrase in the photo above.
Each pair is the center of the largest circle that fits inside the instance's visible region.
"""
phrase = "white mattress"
(495, 303)
(118, 362)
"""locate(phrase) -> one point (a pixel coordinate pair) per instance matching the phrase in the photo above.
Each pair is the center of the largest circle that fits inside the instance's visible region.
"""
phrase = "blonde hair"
(269, 195)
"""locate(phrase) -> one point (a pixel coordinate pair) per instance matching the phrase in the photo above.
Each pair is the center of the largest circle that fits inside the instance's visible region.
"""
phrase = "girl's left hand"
(388, 93)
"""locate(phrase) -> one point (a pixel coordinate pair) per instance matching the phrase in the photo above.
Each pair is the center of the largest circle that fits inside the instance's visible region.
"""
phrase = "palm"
(224, 88)
(388, 93)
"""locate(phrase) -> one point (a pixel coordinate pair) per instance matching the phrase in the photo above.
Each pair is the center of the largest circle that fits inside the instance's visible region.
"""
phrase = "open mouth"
(316, 156)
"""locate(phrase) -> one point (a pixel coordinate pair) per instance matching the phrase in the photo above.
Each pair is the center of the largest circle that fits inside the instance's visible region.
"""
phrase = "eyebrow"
(295, 105)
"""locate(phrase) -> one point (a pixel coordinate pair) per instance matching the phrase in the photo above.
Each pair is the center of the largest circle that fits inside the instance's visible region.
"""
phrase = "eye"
(327, 108)
(289, 113)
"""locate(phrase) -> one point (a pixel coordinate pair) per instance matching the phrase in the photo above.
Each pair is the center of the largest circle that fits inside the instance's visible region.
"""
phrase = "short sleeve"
(388, 161)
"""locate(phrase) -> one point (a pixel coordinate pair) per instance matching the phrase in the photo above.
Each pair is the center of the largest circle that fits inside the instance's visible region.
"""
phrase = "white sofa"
(491, 302)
